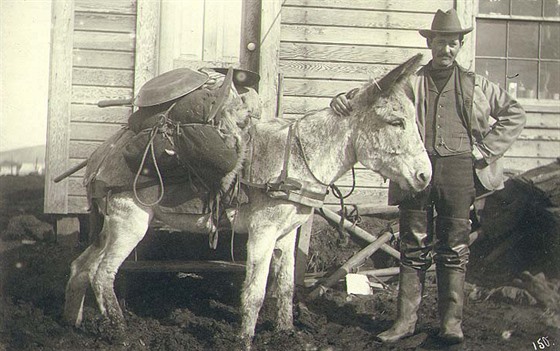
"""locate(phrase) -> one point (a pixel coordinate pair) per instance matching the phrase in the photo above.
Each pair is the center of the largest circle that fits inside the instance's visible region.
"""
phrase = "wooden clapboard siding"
(355, 18)
(105, 6)
(93, 131)
(539, 143)
(332, 46)
(413, 6)
(92, 113)
(101, 64)
(92, 94)
(82, 148)
(77, 204)
(88, 21)
(103, 59)
(102, 77)
(347, 53)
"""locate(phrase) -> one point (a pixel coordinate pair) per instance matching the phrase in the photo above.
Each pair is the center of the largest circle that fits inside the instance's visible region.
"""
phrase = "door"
(200, 33)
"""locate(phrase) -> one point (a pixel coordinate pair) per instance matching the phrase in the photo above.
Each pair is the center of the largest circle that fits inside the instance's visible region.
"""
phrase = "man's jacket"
(480, 102)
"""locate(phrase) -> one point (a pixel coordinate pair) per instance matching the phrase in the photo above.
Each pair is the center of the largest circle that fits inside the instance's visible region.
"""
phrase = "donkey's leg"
(80, 271)
(259, 252)
(126, 225)
(282, 265)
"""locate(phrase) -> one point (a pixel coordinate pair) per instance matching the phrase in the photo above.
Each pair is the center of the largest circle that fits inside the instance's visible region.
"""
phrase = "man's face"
(445, 48)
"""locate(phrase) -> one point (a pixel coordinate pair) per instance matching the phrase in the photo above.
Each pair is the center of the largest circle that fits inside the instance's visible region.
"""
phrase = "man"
(452, 106)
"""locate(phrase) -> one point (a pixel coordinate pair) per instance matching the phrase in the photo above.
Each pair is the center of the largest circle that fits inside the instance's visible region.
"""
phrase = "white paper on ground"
(357, 284)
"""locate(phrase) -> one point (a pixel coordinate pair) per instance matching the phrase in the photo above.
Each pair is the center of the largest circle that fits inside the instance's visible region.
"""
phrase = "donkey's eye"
(397, 123)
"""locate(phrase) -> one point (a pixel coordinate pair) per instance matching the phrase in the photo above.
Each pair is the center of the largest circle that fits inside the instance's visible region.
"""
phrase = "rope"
(149, 147)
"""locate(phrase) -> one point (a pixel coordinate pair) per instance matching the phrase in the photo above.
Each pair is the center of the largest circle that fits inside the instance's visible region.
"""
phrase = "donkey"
(319, 148)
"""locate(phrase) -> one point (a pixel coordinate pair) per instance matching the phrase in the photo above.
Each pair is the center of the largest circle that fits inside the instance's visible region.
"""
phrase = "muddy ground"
(201, 311)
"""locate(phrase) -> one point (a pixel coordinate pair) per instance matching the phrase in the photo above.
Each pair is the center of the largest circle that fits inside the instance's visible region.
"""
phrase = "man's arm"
(340, 104)
(510, 121)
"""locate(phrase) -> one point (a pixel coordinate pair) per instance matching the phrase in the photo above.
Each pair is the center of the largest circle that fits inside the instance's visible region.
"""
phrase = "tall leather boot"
(452, 254)
(411, 282)
(451, 298)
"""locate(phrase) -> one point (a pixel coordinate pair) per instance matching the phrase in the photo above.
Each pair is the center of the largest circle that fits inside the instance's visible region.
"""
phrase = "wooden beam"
(269, 53)
(358, 232)
(59, 110)
(182, 266)
(354, 261)
(302, 251)
(147, 33)
(466, 13)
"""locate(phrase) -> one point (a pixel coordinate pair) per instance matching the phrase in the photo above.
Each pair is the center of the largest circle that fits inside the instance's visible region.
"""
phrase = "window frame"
(508, 19)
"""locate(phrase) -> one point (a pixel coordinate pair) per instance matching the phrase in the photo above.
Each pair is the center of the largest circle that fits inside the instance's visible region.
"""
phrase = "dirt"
(201, 311)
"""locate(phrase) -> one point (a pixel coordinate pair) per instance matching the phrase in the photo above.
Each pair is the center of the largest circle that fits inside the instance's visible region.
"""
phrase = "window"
(518, 46)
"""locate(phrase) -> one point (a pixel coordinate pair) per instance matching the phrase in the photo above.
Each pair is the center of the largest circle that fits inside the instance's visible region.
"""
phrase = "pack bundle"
(190, 125)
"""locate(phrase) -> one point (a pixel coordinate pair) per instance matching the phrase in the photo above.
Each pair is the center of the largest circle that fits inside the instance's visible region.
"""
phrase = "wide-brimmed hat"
(445, 23)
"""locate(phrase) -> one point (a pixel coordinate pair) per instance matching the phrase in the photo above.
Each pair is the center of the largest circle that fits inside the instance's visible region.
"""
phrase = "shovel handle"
(71, 171)
(118, 102)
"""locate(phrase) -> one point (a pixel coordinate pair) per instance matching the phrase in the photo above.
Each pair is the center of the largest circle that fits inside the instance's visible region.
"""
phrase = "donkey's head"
(387, 139)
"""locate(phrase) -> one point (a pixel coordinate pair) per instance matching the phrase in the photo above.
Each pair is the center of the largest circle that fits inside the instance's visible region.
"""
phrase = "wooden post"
(358, 232)
(250, 35)
(269, 56)
(304, 236)
(59, 110)
(147, 33)
(466, 12)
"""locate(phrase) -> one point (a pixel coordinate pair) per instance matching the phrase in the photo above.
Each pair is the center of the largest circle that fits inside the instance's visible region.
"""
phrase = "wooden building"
(306, 51)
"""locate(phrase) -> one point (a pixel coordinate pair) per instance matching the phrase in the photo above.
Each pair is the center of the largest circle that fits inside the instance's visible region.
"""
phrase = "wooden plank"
(104, 6)
(103, 59)
(269, 56)
(539, 134)
(544, 107)
(182, 266)
(92, 113)
(543, 120)
(318, 88)
(393, 5)
(355, 18)
(213, 37)
(302, 251)
(102, 77)
(92, 95)
(147, 31)
(103, 41)
(78, 204)
(466, 13)
(536, 148)
(299, 105)
(92, 132)
(352, 36)
(105, 22)
(60, 93)
(525, 163)
(76, 187)
(348, 53)
(82, 149)
(332, 70)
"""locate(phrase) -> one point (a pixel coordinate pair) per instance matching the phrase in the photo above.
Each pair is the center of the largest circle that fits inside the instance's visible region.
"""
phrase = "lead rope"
(336, 191)
(338, 194)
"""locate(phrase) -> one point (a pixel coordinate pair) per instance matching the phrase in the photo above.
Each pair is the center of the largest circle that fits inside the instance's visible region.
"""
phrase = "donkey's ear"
(395, 78)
